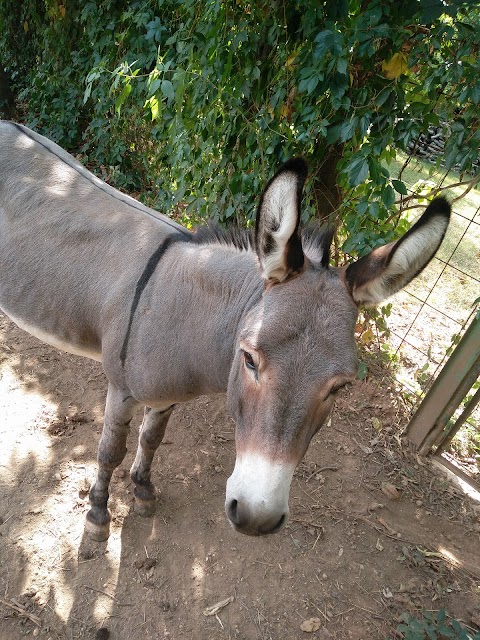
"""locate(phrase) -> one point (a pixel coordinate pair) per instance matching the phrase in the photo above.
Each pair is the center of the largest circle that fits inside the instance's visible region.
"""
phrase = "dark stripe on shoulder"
(142, 283)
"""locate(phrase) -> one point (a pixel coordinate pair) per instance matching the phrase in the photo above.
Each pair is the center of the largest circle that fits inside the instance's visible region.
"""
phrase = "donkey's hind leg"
(119, 411)
(151, 435)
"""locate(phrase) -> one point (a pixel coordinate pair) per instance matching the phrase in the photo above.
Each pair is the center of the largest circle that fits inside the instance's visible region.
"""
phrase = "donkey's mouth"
(253, 526)
(262, 532)
(280, 524)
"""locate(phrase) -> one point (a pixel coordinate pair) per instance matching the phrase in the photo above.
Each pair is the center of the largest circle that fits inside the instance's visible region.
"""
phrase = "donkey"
(174, 314)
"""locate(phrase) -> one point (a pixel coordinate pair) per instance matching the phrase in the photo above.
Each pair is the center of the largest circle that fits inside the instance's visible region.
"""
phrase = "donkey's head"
(296, 348)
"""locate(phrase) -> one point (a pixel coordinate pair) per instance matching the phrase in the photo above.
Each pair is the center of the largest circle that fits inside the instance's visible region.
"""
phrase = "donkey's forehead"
(313, 306)
(313, 297)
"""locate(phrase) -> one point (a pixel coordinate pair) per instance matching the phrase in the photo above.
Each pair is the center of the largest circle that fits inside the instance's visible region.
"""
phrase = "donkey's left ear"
(388, 269)
(277, 238)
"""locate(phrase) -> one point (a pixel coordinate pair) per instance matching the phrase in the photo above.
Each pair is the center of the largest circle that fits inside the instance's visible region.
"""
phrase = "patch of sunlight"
(449, 555)
(198, 577)
(104, 604)
(23, 413)
(24, 142)
(105, 595)
(61, 180)
(44, 513)
(45, 516)
(52, 546)
(465, 487)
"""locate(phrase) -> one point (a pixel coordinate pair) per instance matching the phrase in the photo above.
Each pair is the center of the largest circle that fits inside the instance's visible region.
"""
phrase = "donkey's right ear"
(277, 238)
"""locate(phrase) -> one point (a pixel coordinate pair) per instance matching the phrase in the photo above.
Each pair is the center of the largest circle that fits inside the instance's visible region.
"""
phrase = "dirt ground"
(374, 532)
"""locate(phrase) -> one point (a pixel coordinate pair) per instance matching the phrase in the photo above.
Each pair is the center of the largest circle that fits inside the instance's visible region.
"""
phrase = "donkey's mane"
(316, 240)
(232, 236)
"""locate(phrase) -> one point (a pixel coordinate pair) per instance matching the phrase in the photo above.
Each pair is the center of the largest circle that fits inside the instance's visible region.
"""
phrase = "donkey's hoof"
(97, 532)
(145, 508)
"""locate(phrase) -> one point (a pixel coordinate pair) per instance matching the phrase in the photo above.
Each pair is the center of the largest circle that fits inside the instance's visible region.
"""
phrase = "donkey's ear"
(277, 238)
(388, 269)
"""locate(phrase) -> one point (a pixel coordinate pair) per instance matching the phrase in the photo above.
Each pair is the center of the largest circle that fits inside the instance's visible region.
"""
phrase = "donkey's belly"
(54, 340)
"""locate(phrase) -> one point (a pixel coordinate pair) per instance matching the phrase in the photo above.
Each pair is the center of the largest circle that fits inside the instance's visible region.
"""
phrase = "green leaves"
(154, 85)
(309, 79)
(125, 92)
(342, 132)
(388, 196)
(357, 171)
(155, 30)
(154, 106)
(362, 371)
(328, 42)
(400, 187)
(167, 89)
(206, 99)
(435, 626)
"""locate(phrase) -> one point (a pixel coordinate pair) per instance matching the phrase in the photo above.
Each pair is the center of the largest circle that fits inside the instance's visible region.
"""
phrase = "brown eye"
(249, 363)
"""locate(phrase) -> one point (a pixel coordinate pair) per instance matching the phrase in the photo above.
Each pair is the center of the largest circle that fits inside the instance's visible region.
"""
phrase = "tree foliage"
(195, 103)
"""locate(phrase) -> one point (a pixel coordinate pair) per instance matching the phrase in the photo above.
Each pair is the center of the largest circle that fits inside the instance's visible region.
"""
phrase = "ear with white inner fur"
(277, 238)
(388, 269)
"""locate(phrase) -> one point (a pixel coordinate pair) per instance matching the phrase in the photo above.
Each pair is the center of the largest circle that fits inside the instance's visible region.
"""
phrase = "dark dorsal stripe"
(142, 283)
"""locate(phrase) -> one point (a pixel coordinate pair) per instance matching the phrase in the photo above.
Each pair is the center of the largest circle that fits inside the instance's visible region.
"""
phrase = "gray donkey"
(173, 314)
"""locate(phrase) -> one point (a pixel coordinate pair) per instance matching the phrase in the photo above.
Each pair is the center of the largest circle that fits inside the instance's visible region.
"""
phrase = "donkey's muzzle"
(251, 524)
(257, 494)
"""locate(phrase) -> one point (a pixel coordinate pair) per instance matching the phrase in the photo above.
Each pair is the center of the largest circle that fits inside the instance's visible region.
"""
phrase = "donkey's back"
(66, 236)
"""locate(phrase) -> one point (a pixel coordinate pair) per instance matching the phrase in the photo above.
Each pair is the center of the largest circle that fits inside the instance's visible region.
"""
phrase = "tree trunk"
(328, 194)
(7, 101)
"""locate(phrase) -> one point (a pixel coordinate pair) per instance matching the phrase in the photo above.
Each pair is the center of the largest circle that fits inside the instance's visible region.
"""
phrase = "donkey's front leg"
(151, 435)
(119, 411)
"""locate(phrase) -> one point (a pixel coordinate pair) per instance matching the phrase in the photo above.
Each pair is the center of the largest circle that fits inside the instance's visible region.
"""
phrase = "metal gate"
(432, 429)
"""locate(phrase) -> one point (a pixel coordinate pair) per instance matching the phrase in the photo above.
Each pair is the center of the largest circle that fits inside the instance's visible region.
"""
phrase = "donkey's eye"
(249, 362)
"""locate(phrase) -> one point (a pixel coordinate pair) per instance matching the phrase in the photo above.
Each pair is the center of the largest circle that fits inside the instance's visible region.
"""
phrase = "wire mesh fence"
(434, 310)
(431, 315)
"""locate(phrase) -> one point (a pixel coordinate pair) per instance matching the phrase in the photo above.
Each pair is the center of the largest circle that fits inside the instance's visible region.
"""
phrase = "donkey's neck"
(224, 284)
(190, 313)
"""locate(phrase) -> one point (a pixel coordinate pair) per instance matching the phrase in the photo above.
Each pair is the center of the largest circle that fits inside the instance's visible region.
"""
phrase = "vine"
(193, 105)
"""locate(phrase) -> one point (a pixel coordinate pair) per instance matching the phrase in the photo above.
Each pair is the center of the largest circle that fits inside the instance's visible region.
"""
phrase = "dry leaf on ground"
(215, 608)
(310, 625)
(391, 491)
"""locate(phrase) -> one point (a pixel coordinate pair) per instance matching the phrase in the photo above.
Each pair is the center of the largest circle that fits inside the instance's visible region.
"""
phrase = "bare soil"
(374, 531)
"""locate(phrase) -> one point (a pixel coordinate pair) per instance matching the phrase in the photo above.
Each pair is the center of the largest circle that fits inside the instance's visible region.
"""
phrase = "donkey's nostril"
(232, 511)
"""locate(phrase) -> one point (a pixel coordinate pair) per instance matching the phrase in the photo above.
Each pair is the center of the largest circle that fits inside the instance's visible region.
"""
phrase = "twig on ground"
(85, 586)
(20, 609)
(320, 471)
(319, 610)
(307, 523)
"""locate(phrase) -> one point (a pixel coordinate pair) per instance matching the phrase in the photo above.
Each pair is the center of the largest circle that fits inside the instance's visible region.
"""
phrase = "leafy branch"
(437, 190)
